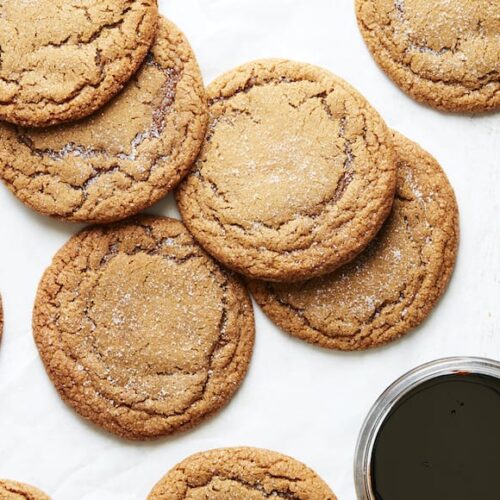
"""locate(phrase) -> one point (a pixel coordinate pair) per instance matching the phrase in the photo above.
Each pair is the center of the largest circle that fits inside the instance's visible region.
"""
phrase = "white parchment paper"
(297, 399)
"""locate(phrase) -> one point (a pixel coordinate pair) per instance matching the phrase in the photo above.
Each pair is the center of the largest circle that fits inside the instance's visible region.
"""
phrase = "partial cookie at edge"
(392, 286)
(241, 474)
(12, 490)
(125, 157)
(444, 54)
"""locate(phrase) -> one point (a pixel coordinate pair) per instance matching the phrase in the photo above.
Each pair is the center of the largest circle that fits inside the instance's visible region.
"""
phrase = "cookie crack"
(257, 486)
(15, 491)
(107, 27)
(252, 83)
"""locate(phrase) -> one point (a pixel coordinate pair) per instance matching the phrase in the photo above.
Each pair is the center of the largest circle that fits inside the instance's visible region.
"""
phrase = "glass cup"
(392, 395)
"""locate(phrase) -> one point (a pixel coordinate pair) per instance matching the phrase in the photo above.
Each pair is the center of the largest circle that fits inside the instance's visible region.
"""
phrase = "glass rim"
(399, 388)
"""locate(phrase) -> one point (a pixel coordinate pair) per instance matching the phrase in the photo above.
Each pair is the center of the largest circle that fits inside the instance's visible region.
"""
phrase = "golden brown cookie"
(394, 284)
(140, 330)
(12, 490)
(1, 317)
(296, 175)
(445, 53)
(123, 158)
(241, 474)
(61, 60)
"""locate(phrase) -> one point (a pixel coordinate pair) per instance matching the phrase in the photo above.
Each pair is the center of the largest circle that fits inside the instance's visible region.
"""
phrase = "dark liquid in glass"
(441, 442)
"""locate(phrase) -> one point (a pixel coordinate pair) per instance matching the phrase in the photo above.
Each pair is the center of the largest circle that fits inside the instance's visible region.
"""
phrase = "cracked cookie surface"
(140, 330)
(12, 490)
(61, 60)
(296, 174)
(241, 474)
(125, 157)
(395, 283)
(443, 53)
(1, 318)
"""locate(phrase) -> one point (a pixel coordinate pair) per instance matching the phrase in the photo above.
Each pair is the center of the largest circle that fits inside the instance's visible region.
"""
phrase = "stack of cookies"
(346, 230)
(123, 95)
(288, 182)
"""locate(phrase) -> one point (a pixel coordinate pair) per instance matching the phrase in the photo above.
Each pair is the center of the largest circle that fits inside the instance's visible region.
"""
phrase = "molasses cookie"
(394, 284)
(241, 474)
(1, 317)
(443, 53)
(296, 175)
(63, 59)
(123, 158)
(140, 330)
(12, 490)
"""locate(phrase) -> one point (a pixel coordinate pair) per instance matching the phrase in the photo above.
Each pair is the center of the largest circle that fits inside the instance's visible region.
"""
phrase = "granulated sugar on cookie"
(445, 53)
(123, 158)
(241, 474)
(395, 283)
(140, 330)
(63, 59)
(296, 175)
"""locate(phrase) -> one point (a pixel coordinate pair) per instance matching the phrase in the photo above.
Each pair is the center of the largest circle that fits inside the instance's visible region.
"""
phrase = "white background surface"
(297, 399)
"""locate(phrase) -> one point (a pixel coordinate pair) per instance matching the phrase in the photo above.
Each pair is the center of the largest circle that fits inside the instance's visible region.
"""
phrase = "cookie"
(296, 175)
(395, 283)
(141, 332)
(241, 474)
(12, 490)
(61, 60)
(443, 53)
(1, 317)
(123, 158)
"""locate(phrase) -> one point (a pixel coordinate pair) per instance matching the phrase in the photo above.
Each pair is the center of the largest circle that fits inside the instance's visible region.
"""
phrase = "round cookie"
(443, 53)
(296, 175)
(12, 490)
(140, 330)
(394, 284)
(123, 158)
(1, 317)
(241, 474)
(61, 60)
